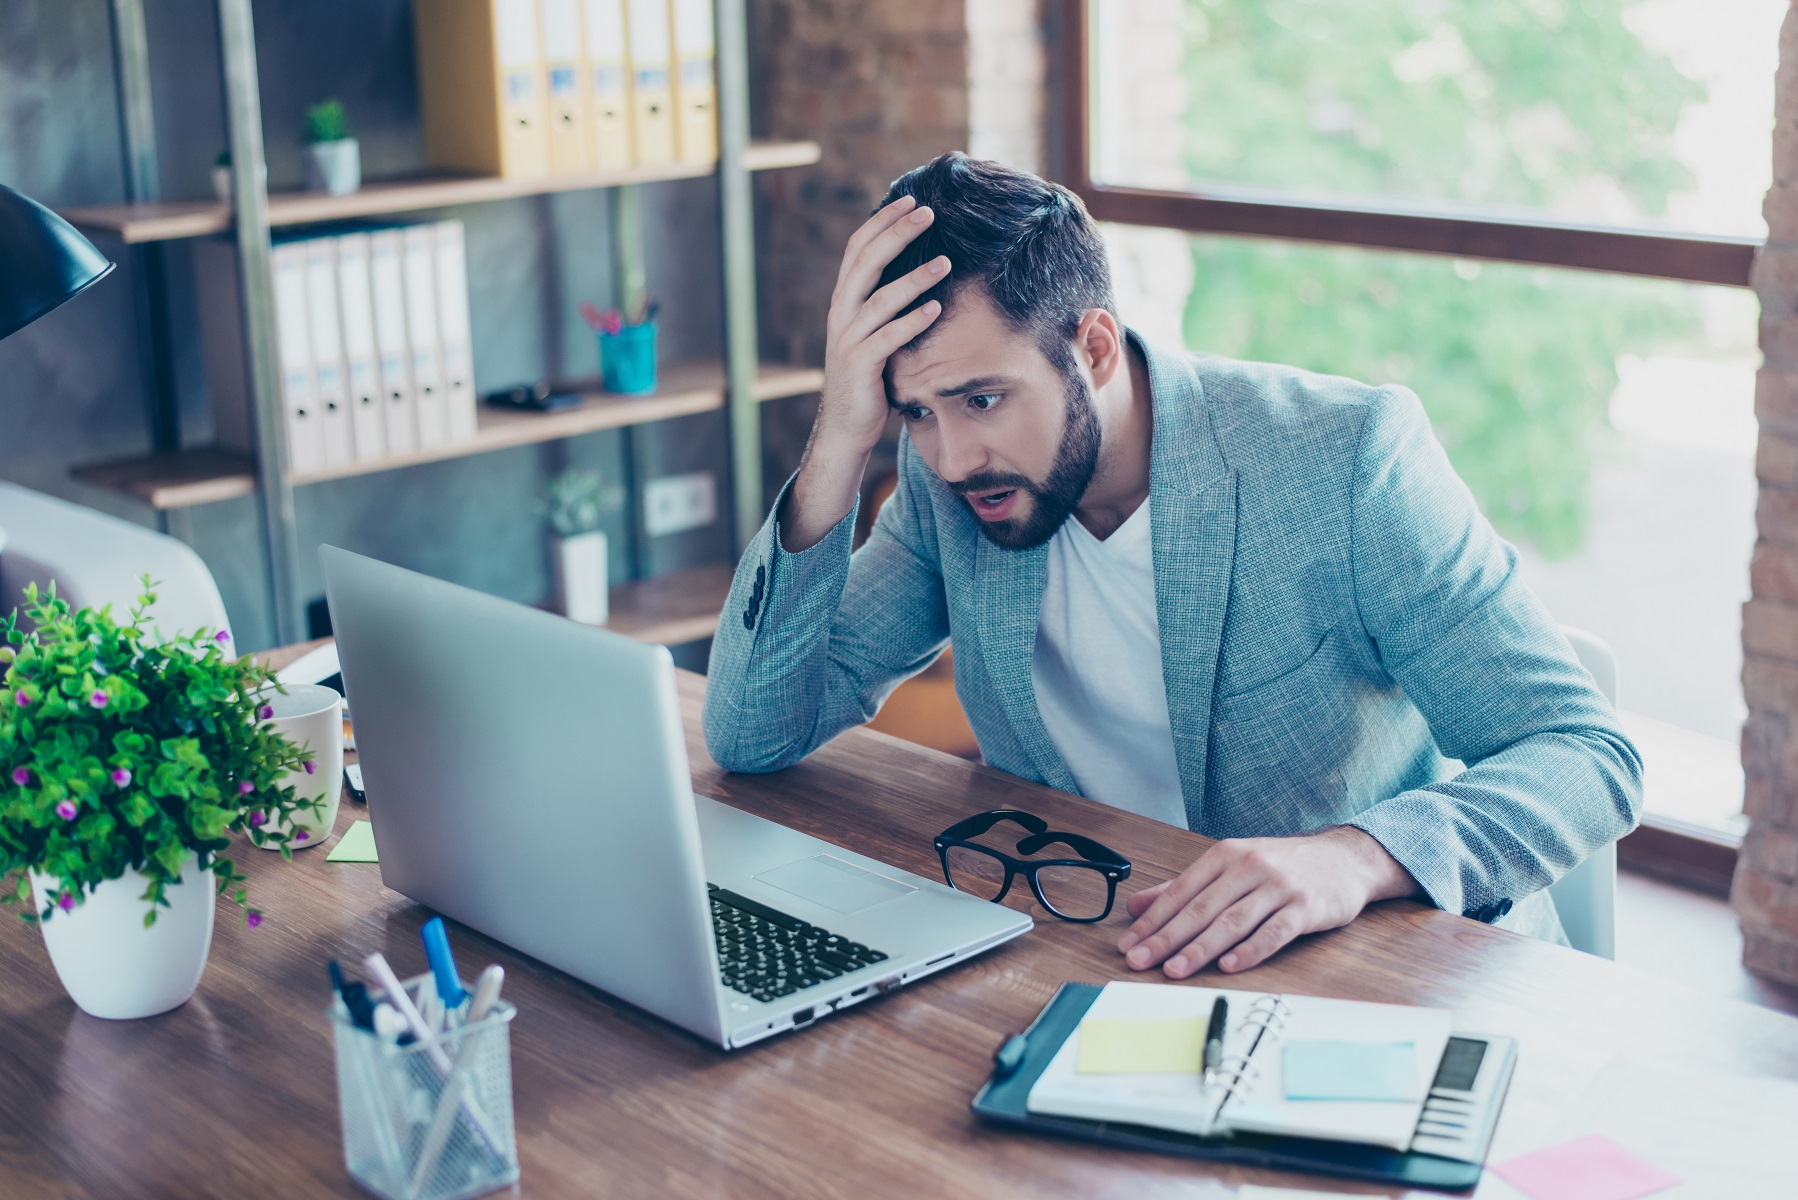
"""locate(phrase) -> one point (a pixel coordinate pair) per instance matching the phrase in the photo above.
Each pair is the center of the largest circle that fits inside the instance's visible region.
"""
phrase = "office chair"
(97, 559)
(1586, 897)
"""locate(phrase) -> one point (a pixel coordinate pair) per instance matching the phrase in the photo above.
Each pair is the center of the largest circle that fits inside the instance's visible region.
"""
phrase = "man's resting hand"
(1247, 897)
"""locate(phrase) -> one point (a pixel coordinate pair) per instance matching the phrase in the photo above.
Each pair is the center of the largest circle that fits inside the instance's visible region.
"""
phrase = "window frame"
(1425, 229)
(1662, 846)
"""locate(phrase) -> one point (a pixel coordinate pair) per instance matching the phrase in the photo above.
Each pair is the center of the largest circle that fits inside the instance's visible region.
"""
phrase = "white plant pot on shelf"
(110, 964)
(579, 564)
(334, 167)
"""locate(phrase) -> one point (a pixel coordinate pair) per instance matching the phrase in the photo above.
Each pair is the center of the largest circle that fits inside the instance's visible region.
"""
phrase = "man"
(1275, 616)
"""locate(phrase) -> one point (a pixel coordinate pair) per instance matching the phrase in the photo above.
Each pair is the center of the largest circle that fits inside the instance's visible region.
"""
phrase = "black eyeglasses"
(1074, 889)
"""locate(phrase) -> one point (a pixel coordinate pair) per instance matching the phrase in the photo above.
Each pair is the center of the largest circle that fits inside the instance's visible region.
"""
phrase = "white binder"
(609, 108)
(453, 331)
(219, 292)
(387, 293)
(651, 45)
(695, 92)
(299, 396)
(570, 141)
(355, 309)
(326, 334)
(420, 263)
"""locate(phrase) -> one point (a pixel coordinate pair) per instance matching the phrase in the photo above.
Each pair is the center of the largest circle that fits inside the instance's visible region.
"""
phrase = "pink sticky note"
(1592, 1168)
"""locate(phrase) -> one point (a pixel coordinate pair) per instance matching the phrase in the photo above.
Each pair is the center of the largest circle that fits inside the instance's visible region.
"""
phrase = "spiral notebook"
(1249, 1095)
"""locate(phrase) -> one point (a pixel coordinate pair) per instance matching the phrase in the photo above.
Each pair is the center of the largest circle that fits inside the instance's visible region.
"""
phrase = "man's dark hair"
(1029, 244)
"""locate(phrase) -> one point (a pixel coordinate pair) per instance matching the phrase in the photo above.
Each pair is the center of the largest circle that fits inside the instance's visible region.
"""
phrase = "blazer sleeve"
(811, 644)
(1550, 776)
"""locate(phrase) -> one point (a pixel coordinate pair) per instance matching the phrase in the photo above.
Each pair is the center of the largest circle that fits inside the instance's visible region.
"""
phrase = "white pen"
(376, 965)
(486, 993)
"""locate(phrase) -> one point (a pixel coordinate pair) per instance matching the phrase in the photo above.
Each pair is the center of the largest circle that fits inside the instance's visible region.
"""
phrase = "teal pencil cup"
(627, 360)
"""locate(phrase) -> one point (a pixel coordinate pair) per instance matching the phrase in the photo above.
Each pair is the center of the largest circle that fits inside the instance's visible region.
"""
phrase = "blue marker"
(443, 963)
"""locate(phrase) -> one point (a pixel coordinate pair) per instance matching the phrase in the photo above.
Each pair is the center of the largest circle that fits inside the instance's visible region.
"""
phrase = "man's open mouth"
(994, 499)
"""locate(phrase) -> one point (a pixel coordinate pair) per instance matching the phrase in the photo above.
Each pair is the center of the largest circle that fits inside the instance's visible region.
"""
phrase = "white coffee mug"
(310, 715)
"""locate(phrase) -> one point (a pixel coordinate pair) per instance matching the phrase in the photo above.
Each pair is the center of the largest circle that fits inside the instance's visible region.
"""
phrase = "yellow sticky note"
(1120, 1047)
(356, 845)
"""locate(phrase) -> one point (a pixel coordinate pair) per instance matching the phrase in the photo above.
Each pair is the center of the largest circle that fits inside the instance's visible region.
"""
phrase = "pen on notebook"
(1214, 1037)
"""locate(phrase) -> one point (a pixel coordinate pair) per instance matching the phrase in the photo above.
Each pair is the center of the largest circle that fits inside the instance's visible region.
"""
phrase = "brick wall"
(1766, 884)
(883, 86)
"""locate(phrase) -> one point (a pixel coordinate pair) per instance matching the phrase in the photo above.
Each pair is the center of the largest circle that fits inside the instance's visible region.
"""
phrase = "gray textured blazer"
(1339, 625)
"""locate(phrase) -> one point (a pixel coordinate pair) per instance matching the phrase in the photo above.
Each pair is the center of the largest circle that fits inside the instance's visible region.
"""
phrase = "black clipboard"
(1022, 1060)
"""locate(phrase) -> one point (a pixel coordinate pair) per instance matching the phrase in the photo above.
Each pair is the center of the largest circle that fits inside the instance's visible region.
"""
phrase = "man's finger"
(874, 226)
(1201, 916)
(1136, 902)
(1172, 898)
(884, 304)
(861, 274)
(1233, 925)
(1275, 932)
(887, 340)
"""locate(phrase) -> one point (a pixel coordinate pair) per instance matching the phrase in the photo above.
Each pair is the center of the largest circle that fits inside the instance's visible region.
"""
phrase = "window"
(1257, 163)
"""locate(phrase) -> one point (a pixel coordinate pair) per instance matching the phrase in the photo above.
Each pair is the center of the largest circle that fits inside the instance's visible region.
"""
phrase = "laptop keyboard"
(766, 954)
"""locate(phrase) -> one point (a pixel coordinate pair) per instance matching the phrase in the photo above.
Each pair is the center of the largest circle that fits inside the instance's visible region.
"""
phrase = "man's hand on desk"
(1246, 897)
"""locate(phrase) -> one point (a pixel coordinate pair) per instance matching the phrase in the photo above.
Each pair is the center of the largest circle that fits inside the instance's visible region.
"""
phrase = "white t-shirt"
(1097, 669)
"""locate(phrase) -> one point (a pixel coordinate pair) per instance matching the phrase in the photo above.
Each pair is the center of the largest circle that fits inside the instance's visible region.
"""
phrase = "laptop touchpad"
(828, 880)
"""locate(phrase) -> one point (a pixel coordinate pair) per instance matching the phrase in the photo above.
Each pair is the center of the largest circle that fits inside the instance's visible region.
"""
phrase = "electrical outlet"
(675, 503)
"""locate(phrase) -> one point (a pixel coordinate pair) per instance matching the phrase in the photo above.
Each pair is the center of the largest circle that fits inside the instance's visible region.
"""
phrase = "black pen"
(1214, 1037)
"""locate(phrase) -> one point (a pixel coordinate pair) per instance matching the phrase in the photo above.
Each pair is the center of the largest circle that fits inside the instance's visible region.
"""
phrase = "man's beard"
(1054, 499)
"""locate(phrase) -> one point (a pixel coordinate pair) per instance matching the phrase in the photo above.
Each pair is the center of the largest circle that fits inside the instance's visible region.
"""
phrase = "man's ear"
(1099, 346)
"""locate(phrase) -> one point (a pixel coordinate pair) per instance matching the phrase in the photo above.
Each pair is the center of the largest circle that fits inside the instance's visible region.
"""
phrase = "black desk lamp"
(43, 261)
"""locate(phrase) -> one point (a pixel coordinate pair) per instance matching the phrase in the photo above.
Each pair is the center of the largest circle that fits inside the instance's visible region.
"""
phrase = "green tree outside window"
(1515, 103)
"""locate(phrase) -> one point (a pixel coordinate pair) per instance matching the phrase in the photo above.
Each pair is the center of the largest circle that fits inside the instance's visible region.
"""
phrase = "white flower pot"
(221, 184)
(334, 167)
(115, 968)
(579, 564)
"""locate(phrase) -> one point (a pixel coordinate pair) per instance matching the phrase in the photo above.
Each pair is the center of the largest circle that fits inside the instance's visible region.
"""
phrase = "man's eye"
(983, 402)
(914, 413)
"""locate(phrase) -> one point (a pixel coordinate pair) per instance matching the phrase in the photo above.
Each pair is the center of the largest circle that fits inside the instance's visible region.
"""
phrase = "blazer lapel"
(1193, 493)
(1010, 586)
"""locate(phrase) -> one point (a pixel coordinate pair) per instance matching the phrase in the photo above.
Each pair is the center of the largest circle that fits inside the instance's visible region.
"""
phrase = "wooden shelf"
(180, 479)
(175, 219)
(681, 606)
(205, 474)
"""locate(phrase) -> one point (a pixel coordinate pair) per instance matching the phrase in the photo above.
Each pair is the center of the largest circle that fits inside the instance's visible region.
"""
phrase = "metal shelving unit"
(172, 478)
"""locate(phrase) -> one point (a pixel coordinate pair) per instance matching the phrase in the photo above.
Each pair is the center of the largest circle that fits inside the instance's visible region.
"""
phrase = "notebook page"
(1179, 1102)
(1260, 1106)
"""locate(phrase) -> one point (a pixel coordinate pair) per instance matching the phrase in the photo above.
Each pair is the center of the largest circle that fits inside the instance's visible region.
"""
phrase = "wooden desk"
(234, 1094)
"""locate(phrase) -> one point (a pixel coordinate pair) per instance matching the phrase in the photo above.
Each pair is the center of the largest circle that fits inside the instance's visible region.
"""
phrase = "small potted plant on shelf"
(127, 762)
(579, 502)
(333, 157)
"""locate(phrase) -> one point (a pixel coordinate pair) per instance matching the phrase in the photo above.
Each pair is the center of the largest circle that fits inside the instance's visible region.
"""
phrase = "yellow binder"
(481, 86)
(608, 97)
(695, 91)
(651, 48)
(570, 141)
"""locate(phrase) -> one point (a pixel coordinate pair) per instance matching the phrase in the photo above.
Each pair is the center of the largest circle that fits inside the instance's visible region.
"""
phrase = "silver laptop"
(528, 777)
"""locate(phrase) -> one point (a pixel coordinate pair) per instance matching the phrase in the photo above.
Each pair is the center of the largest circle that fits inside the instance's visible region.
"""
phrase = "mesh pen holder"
(432, 1120)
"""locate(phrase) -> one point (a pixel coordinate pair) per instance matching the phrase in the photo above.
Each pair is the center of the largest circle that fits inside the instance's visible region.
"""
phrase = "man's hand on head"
(1245, 898)
(862, 332)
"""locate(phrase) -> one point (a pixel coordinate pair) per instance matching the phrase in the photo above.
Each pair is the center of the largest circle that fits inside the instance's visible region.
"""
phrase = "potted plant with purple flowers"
(127, 763)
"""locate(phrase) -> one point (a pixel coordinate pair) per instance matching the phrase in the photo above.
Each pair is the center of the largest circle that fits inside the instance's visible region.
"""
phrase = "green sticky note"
(356, 845)
(1349, 1071)
(1121, 1047)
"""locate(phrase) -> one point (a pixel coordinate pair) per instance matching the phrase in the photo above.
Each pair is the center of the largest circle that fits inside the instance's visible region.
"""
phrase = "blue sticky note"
(1349, 1071)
